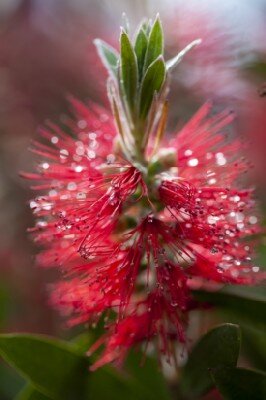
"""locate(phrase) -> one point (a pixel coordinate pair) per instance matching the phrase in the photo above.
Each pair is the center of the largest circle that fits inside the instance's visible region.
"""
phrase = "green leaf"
(55, 368)
(254, 346)
(155, 43)
(146, 26)
(125, 23)
(152, 83)
(246, 307)
(219, 347)
(147, 377)
(136, 383)
(108, 55)
(170, 64)
(129, 70)
(30, 393)
(249, 303)
(240, 384)
(58, 371)
(10, 381)
(140, 50)
(106, 383)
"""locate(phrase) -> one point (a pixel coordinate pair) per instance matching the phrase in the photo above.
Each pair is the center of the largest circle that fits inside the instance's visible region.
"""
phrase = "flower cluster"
(134, 219)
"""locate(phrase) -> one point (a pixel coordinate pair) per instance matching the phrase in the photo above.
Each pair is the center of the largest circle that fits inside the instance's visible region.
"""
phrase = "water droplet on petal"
(193, 162)
(253, 220)
(82, 124)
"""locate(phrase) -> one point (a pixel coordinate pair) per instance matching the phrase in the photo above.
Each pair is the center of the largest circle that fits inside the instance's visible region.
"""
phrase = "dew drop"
(78, 168)
(193, 162)
(91, 154)
(41, 224)
(33, 204)
(71, 186)
(212, 219)
(80, 150)
(220, 159)
(54, 139)
(188, 153)
(236, 199)
(82, 124)
(150, 219)
(92, 135)
(52, 193)
(45, 165)
(63, 154)
(253, 220)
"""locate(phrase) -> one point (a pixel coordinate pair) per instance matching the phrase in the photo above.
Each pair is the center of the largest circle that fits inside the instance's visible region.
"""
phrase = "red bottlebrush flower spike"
(134, 224)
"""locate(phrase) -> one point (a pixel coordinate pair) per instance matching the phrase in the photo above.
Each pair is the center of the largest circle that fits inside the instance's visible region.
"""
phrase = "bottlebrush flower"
(133, 219)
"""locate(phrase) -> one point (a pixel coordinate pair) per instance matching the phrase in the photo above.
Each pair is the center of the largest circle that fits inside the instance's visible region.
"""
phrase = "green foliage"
(147, 376)
(254, 345)
(57, 370)
(245, 306)
(107, 383)
(179, 57)
(219, 347)
(108, 55)
(140, 48)
(155, 43)
(129, 70)
(136, 89)
(247, 303)
(240, 384)
(10, 382)
(152, 83)
(30, 393)
(52, 366)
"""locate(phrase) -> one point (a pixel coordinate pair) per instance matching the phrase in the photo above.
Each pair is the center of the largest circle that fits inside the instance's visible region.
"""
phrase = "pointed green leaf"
(239, 383)
(129, 70)
(30, 393)
(54, 367)
(219, 347)
(155, 43)
(170, 64)
(146, 26)
(108, 55)
(140, 50)
(152, 83)
(125, 23)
